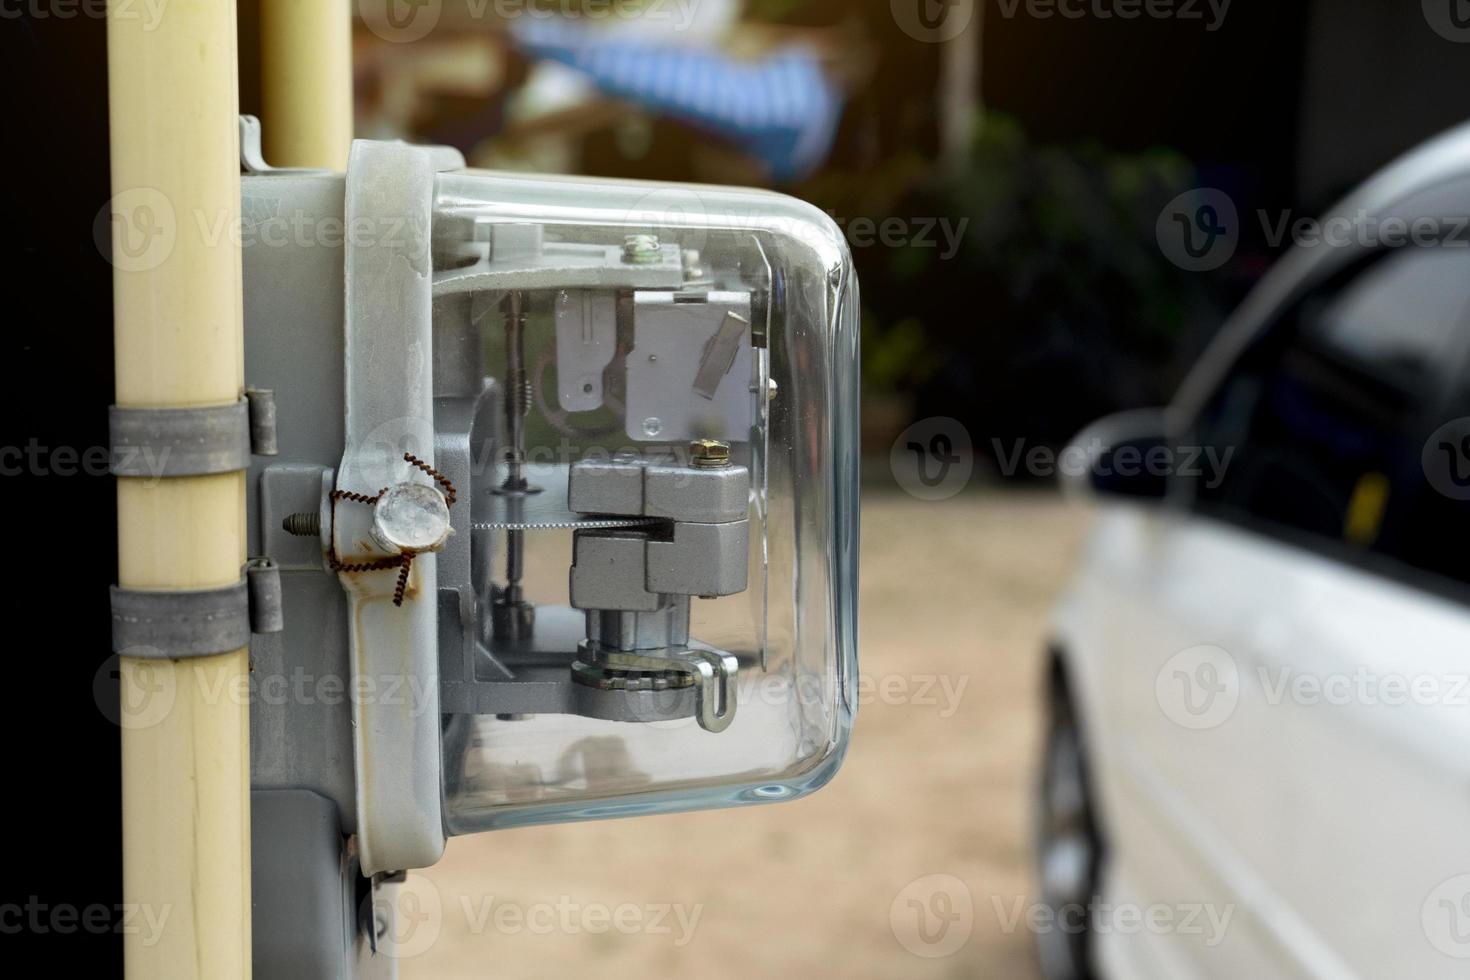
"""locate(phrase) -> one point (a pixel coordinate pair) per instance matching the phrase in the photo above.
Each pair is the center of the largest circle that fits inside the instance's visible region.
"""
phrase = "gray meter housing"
(565, 511)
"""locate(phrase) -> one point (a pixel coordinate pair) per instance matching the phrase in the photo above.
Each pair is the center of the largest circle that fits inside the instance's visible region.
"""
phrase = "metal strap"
(168, 442)
(263, 577)
(154, 625)
(262, 402)
(195, 623)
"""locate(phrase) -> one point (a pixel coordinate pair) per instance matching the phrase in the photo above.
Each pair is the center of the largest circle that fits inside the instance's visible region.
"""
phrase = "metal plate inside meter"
(690, 368)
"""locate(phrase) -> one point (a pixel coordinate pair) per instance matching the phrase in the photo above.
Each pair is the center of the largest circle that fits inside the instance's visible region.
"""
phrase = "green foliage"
(896, 358)
(1056, 303)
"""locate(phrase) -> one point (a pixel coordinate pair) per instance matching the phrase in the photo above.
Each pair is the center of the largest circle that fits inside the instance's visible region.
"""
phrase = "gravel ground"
(937, 782)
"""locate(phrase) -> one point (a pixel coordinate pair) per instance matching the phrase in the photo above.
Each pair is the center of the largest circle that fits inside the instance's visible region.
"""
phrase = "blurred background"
(1003, 171)
(999, 167)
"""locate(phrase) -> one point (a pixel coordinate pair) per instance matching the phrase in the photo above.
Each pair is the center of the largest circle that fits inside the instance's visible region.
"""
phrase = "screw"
(709, 453)
(411, 517)
(640, 248)
(303, 525)
(771, 389)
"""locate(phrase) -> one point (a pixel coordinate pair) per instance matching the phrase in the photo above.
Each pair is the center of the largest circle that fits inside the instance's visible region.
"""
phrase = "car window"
(1325, 417)
(1429, 526)
(1399, 317)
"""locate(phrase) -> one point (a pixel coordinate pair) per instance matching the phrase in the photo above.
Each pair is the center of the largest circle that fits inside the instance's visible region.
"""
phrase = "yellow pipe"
(306, 82)
(174, 105)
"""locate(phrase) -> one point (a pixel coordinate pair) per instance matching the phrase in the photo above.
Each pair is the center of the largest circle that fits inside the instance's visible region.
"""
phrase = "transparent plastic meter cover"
(655, 389)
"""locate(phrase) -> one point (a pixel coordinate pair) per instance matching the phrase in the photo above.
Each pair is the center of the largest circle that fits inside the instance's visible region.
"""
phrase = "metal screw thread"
(517, 392)
(303, 525)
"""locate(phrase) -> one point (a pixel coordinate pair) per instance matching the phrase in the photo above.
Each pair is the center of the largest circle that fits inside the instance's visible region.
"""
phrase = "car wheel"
(1069, 847)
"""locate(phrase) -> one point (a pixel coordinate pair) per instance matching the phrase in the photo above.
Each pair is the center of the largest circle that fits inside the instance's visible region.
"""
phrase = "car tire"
(1069, 847)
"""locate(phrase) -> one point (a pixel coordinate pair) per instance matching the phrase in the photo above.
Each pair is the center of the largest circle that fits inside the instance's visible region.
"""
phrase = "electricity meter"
(566, 490)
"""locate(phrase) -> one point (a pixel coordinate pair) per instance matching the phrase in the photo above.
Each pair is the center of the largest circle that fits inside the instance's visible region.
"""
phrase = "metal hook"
(714, 692)
(714, 698)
